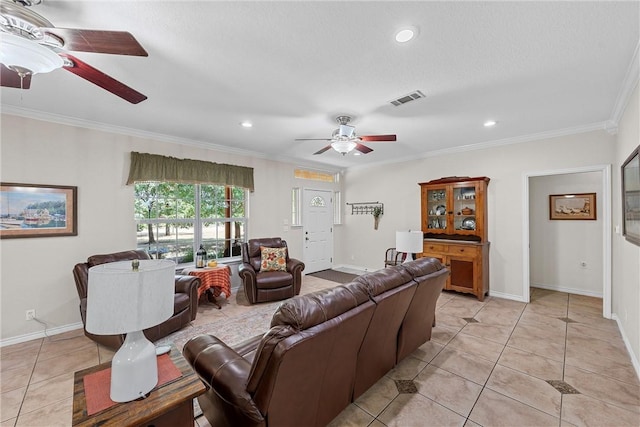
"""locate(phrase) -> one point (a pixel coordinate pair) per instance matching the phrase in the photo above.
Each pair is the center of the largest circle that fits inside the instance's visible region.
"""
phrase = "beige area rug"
(237, 320)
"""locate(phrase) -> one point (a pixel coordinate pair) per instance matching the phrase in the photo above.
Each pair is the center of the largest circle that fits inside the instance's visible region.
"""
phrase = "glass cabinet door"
(464, 208)
(437, 209)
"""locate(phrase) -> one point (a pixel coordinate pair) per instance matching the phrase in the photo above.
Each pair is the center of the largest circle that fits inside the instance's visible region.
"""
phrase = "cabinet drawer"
(462, 250)
(434, 247)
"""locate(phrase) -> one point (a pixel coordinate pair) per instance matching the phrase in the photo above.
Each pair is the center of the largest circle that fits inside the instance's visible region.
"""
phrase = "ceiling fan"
(32, 45)
(344, 139)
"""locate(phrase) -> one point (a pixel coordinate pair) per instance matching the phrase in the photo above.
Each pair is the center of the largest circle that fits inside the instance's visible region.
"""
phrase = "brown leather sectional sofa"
(323, 350)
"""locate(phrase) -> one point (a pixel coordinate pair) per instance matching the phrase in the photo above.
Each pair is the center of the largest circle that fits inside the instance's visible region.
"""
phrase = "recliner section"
(185, 303)
(322, 351)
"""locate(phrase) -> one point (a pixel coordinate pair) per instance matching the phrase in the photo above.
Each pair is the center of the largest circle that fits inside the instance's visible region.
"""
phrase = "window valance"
(153, 167)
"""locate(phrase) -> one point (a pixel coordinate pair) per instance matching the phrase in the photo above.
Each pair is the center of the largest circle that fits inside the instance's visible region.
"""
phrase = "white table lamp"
(123, 300)
(409, 242)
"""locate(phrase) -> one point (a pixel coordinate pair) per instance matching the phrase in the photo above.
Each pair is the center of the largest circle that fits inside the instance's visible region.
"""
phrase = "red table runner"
(97, 386)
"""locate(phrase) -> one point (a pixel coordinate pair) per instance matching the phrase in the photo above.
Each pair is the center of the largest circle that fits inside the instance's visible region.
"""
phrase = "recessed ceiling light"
(490, 123)
(405, 34)
(246, 124)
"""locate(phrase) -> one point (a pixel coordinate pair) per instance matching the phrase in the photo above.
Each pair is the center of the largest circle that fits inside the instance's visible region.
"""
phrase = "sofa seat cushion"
(181, 302)
(274, 279)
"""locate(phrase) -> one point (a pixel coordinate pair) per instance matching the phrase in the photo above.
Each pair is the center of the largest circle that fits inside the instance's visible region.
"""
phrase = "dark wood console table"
(170, 404)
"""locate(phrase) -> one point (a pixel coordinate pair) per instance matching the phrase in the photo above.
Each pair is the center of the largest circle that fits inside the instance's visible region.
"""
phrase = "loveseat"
(185, 302)
(322, 351)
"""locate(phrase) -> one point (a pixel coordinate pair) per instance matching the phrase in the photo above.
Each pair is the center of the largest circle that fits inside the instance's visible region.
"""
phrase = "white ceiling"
(538, 68)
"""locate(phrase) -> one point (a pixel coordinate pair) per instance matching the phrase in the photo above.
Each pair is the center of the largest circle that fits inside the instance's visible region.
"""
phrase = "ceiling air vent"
(408, 98)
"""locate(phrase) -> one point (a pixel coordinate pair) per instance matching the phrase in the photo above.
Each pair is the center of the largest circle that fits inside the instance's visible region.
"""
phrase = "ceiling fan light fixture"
(343, 146)
(23, 55)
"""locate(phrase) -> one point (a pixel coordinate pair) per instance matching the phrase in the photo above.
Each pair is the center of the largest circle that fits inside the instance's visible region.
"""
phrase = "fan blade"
(99, 78)
(363, 148)
(9, 78)
(312, 139)
(328, 147)
(378, 138)
(115, 42)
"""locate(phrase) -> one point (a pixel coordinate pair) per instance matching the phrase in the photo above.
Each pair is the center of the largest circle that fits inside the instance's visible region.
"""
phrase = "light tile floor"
(491, 363)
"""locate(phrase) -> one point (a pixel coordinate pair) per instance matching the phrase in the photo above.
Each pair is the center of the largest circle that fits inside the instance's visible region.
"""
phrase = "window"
(296, 206)
(174, 219)
(314, 175)
(337, 207)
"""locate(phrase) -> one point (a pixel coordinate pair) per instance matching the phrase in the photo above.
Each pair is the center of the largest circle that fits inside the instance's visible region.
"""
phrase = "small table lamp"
(126, 297)
(409, 242)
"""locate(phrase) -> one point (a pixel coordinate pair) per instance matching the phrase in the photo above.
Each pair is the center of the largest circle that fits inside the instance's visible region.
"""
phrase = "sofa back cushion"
(303, 371)
(117, 256)
(417, 324)
(252, 250)
(391, 289)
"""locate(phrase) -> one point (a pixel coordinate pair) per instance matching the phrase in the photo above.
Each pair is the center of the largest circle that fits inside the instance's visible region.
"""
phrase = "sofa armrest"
(249, 281)
(226, 373)
(189, 285)
(295, 267)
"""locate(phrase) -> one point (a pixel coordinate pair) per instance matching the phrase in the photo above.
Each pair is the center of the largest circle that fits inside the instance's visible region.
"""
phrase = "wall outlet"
(30, 314)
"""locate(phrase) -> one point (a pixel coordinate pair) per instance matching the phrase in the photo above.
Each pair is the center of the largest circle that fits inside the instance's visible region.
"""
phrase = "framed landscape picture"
(572, 206)
(631, 197)
(32, 210)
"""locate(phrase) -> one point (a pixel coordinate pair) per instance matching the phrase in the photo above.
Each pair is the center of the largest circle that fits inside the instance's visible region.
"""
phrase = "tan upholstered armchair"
(262, 286)
(185, 305)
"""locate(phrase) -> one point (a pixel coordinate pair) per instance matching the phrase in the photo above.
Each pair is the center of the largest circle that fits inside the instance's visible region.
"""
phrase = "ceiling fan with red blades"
(30, 44)
(344, 139)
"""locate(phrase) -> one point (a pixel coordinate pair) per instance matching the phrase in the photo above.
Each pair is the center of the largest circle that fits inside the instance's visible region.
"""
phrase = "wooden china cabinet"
(454, 223)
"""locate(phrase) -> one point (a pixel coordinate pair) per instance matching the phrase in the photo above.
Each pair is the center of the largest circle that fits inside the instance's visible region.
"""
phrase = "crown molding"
(497, 143)
(87, 124)
(628, 85)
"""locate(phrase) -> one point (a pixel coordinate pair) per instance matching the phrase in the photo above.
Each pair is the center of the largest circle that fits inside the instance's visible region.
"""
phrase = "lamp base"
(134, 368)
(408, 257)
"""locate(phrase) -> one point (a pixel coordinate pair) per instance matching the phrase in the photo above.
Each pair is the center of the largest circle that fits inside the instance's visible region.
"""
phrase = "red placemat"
(97, 386)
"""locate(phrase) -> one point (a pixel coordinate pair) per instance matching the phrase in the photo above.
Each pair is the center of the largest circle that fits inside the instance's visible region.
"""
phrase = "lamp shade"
(121, 300)
(19, 52)
(409, 241)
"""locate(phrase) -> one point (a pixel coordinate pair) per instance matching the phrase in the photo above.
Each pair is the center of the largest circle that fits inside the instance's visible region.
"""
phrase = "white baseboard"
(41, 334)
(354, 267)
(506, 296)
(634, 357)
(567, 290)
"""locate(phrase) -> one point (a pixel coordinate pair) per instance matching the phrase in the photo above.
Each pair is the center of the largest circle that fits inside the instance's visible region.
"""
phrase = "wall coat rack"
(365, 208)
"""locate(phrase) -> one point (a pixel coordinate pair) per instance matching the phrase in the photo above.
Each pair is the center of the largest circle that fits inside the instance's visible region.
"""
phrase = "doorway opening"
(604, 217)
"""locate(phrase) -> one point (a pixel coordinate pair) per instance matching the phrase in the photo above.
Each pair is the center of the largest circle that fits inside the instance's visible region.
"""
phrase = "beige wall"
(625, 294)
(557, 248)
(36, 273)
(505, 165)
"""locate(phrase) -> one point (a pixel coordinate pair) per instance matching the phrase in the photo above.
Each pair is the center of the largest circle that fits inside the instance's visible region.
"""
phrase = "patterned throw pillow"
(273, 259)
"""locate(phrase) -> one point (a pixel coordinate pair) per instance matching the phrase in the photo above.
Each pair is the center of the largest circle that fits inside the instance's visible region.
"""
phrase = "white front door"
(317, 219)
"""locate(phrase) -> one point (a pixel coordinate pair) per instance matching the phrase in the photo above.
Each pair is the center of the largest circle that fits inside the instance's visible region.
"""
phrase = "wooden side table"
(169, 405)
(215, 281)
